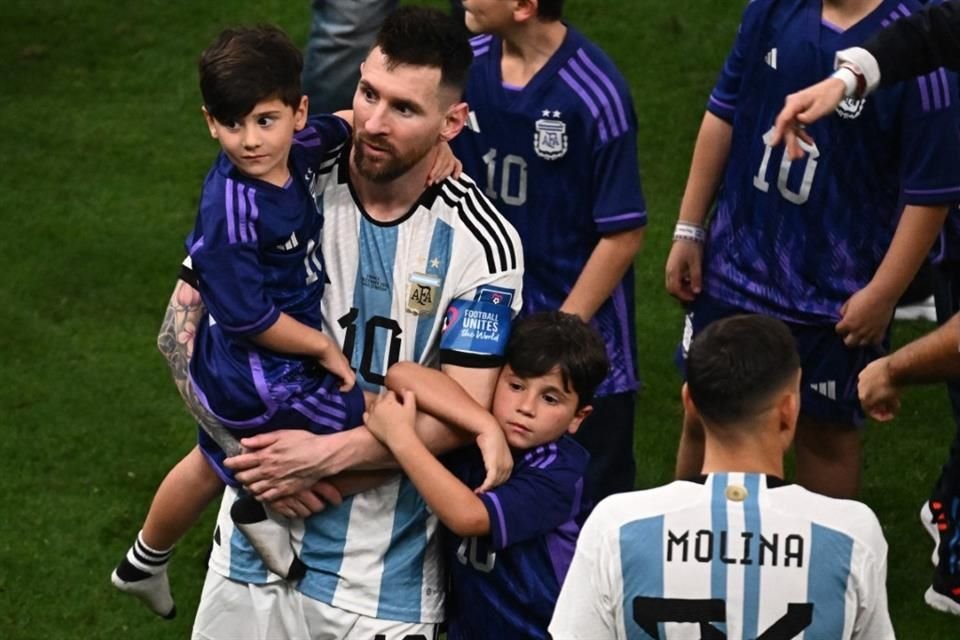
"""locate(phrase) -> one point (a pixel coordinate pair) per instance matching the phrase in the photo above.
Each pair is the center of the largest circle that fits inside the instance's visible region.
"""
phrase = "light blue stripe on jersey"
(373, 296)
(827, 576)
(751, 573)
(324, 538)
(401, 585)
(438, 262)
(718, 523)
(641, 545)
(245, 562)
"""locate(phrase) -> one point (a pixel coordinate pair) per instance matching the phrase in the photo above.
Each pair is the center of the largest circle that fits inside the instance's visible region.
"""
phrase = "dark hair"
(736, 364)
(550, 10)
(427, 38)
(549, 339)
(246, 65)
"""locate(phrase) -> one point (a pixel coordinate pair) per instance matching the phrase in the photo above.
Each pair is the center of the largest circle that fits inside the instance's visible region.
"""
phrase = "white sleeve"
(588, 603)
(873, 617)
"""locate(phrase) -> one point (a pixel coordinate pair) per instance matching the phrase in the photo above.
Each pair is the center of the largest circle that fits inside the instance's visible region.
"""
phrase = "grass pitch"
(104, 154)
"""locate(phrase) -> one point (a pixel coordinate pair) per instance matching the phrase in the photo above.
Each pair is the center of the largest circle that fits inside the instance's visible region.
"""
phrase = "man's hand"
(684, 270)
(803, 108)
(879, 396)
(305, 503)
(282, 463)
(865, 317)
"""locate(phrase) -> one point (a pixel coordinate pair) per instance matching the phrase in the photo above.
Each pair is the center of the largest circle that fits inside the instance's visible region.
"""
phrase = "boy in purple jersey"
(552, 138)
(260, 359)
(508, 549)
(819, 243)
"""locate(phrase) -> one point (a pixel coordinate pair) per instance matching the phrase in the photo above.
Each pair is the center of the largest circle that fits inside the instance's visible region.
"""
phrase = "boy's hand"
(803, 108)
(333, 360)
(497, 458)
(390, 418)
(445, 165)
(307, 502)
(683, 270)
(865, 317)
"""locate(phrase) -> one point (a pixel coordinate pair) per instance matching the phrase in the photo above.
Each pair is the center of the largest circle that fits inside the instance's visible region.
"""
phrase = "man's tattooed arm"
(175, 342)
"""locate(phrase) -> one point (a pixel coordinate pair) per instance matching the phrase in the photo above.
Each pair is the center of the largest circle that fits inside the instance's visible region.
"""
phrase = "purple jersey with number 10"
(505, 584)
(558, 158)
(796, 239)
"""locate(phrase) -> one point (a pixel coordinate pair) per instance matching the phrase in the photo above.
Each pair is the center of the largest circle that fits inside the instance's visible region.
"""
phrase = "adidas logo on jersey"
(771, 58)
(291, 243)
(828, 388)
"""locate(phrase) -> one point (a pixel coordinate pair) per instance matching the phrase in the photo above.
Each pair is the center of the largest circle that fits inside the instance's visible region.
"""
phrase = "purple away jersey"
(795, 239)
(504, 585)
(255, 252)
(558, 158)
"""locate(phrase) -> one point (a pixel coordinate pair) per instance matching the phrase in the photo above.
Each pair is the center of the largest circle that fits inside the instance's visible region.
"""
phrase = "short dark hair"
(550, 10)
(549, 339)
(427, 38)
(737, 364)
(246, 65)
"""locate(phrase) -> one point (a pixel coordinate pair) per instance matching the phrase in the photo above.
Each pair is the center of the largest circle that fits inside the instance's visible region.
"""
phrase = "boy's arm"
(609, 260)
(288, 335)
(710, 153)
(454, 503)
(866, 315)
(440, 396)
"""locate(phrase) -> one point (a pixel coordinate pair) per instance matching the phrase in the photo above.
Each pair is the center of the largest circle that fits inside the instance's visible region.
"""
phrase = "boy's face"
(534, 411)
(488, 16)
(258, 144)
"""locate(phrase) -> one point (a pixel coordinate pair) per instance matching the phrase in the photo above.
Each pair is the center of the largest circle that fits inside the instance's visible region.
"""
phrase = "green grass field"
(104, 153)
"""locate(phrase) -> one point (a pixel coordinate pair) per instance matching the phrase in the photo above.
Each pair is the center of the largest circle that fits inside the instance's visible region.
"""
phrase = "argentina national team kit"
(794, 239)
(558, 158)
(450, 262)
(731, 555)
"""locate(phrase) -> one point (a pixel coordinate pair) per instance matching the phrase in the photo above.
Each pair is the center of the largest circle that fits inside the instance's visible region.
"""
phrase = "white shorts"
(231, 610)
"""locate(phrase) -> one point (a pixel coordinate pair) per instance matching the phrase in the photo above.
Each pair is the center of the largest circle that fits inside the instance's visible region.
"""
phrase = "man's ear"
(578, 418)
(210, 122)
(687, 400)
(453, 121)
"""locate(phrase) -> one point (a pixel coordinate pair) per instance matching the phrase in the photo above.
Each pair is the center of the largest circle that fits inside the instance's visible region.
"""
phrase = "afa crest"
(423, 293)
(850, 108)
(550, 139)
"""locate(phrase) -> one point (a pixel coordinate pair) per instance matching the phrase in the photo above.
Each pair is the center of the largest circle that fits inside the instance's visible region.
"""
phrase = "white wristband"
(849, 80)
(689, 231)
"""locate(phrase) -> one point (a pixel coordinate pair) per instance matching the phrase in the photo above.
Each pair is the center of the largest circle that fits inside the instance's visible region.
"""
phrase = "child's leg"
(182, 496)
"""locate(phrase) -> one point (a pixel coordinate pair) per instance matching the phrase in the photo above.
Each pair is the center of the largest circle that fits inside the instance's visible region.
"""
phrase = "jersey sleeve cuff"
(621, 222)
(498, 526)
(253, 328)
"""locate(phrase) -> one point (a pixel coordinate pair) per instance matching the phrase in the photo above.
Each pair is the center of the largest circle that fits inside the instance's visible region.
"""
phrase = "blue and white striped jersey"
(558, 157)
(732, 556)
(390, 288)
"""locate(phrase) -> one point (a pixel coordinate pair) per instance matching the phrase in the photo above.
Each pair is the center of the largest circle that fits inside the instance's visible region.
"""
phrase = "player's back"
(743, 553)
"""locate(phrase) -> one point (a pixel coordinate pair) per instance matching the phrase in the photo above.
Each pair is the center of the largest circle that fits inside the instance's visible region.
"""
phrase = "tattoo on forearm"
(175, 342)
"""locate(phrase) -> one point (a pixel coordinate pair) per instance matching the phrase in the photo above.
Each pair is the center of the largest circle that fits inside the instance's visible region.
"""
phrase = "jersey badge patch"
(850, 108)
(494, 295)
(423, 293)
(476, 327)
(550, 137)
